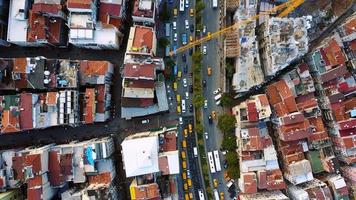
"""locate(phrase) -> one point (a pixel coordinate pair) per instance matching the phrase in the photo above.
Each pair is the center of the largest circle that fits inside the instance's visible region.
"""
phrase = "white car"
(180, 120)
(217, 91)
(218, 102)
(174, 25)
(206, 135)
(185, 84)
(204, 29)
(205, 103)
(186, 24)
(187, 3)
(175, 38)
(187, 95)
(204, 50)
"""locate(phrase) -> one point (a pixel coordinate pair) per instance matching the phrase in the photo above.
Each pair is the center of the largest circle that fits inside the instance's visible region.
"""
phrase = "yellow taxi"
(209, 71)
(191, 12)
(216, 183)
(175, 12)
(183, 156)
(222, 196)
(213, 114)
(190, 127)
(190, 38)
(184, 143)
(185, 132)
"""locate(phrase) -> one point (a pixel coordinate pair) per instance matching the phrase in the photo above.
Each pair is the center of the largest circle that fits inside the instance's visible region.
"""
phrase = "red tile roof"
(18, 164)
(262, 178)
(252, 112)
(10, 122)
(281, 97)
(348, 124)
(34, 160)
(249, 183)
(306, 101)
(148, 191)
(46, 8)
(88, 67)
(34, 193)
(350, 26)
(139, 83)
(334, 73)
(333, 53)
(170, 142)
(102, 178)
(66, 161)
(85, 4)
(275, 180)
(263, 100)
(292, 119)
(143, 37)
(51, 98)
(55, 176)
(36, 181)
(137, 102)
(89, 111)
(163, 165)
(26, 121)
(253, 141)
(100, 98)
(42, 28)
(294, 131)
(139, 71)
(108, 9)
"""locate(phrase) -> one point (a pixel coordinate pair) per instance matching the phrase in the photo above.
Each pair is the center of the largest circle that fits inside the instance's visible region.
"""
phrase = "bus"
(168, 30)
(216, 194)
(181, 5)
(211, 162)
(215, 3)
(217, 161)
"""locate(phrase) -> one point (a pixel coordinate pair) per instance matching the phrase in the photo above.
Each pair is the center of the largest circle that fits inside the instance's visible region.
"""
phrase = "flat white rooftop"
(17, 25)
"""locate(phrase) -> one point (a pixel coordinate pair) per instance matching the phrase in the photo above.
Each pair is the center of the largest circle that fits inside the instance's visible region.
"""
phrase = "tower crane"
(289, 6)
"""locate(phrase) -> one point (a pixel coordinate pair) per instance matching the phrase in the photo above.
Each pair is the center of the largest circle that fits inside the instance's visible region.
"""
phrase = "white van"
(217, 97)
(183, 105)
(195, 152)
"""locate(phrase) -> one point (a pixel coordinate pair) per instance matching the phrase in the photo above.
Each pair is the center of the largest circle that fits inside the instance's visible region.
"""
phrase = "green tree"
(200, 26)
(226, 123)
(231, 158)
(197, 57)
(229, 143)
(233, 172)
(198, 100)
(199, 128)
(164, 15)
(163, 42)
(227, 100)
(199, 6)
(170, 62)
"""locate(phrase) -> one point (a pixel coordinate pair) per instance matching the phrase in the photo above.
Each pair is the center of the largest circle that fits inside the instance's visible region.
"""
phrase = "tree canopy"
(226, 123)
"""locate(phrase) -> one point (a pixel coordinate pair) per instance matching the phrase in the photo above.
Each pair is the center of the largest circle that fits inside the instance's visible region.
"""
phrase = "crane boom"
(289, 5)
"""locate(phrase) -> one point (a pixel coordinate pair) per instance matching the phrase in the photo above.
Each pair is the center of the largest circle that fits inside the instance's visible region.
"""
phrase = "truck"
(215, 3)
(184, 39)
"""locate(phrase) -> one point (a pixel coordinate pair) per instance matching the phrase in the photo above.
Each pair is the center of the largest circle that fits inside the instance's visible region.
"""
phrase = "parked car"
(204, 83)
(180, 120)
(174, 25)
(191, 28)
(191, 88)
(204, 50)
(205, 103)
(186, 24)
(185, 82)
(217, 91)
(204, 29)
(206, 135)
(187, 95)
(210, 119)
(191, 108)
(175, 37)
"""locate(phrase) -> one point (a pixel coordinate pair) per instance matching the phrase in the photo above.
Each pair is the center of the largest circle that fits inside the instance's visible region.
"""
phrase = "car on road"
(174, 25)
(186, 24)
(204, 50)
(191, 28)
(191, 12)
(187, 3)
(186, 95)
(188, 173)
(204, 29)
(184, 58)
(180, 120)
(185, 132)
(184, 39)
(178, 110)
(218, 97)
(230, 183)
(210, 70)
(216, 183)
(190, 127)
(191, 108)
(218, 102)
(185, 82)
(185, 69)
(205, 103)
(191, 38)
(222, 196)
(190, 51)
(204, 83)
(213, 114)
(184, 174)
(175, 12)
(210, 119)
(217, 91)
(225, 164)
(206, 135)
(145, 121)
(191, 88)
(175, 86)
(175, 37)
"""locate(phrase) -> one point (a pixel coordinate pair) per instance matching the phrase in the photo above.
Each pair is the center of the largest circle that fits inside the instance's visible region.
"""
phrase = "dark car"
(204, 83)
(225, 164)
(210, 119)
(191, 108)
(191, 88)
(191, 51)
(184, 58)
(191, 28)
(185, 69)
